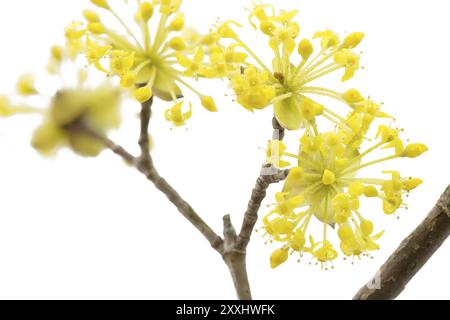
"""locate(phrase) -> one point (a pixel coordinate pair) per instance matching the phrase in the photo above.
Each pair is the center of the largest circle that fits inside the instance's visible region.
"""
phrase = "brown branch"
(144, 143)
(258, 195)
(411, 255)
(235, 246)
(108, 143)
(235, 261)
(182, 205)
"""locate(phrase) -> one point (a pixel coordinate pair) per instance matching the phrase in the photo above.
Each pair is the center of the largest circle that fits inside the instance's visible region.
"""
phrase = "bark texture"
(411, 255)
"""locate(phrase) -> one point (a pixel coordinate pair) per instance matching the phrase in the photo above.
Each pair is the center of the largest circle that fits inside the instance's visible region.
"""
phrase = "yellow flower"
(176, 115)
(152, 58)
(94, 53)
(327, 186)
(192, 66)
(284, 81)
(121, 62)
(74, 33)
(349, 60)
(252, 89)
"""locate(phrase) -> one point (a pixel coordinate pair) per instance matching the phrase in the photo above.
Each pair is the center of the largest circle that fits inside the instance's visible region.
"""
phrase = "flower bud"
(370, 192)
(177, 23)
(278, 257)
(91, 16)
(411, 184)
(305, 49)
(177, 44)
(414, 150)
(209, 104)
(96, 28)
(146, 11)
(352, 96)
(101, 4)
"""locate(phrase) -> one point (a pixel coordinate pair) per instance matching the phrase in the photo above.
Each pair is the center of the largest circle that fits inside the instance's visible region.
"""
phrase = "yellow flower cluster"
(285, 81)
(326, 185)
(147, 65)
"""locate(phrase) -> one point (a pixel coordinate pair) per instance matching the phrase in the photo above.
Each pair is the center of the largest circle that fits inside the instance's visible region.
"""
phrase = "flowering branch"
(411, 255)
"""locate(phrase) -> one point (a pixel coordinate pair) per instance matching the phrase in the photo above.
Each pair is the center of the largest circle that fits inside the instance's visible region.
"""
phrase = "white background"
(93, 228)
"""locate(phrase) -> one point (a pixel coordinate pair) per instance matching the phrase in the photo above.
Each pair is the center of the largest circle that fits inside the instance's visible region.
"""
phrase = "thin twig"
(258, 195)
(108, 143)
(269, 175)
(182, 205)
(145, 165)
(411, 255)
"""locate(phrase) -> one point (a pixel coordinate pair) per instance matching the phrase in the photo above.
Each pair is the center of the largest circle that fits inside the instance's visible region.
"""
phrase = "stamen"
(161, 31)
(370, 163)
(312, 78)
(260, 62)
(126, 27)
